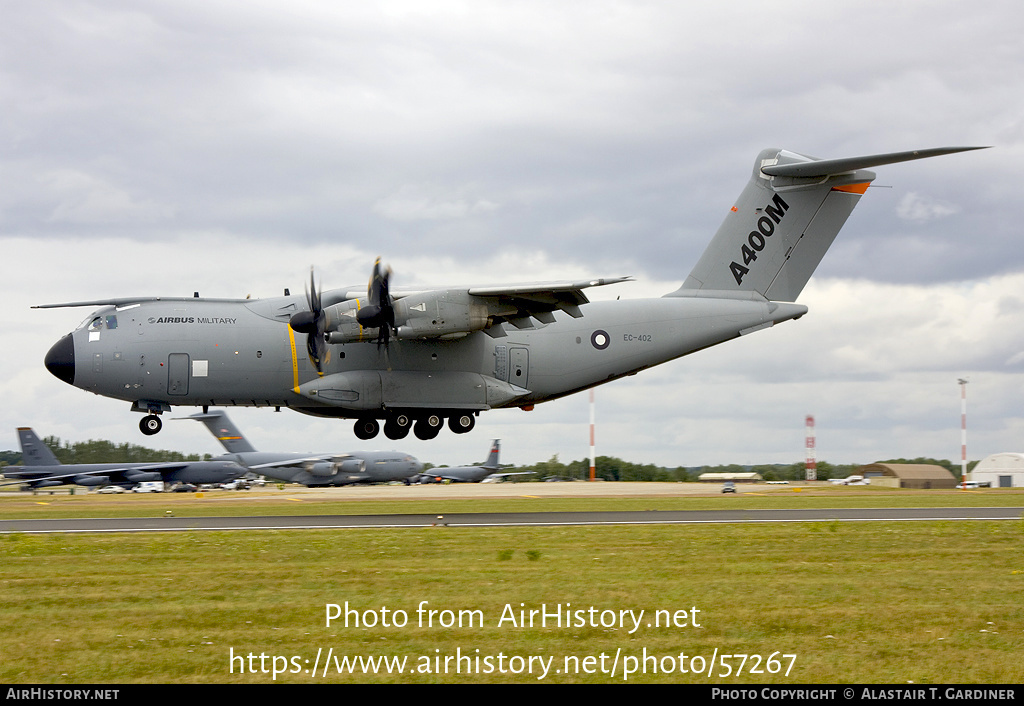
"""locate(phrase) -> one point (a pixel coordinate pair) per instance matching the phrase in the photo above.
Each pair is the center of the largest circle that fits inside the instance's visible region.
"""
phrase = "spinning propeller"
(380, 311)
(313, 324)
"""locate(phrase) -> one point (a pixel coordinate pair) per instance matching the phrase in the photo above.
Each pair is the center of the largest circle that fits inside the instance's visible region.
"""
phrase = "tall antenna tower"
(963, 432)
(812, 460)
(593, 466)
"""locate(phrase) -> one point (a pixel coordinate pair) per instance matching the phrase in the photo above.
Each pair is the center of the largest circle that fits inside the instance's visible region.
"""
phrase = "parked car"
(111, 489)
(728, 487)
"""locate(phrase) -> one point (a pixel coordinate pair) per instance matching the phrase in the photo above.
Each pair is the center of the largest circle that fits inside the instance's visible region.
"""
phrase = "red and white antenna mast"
(963, 432)
(812, 461)
(592, 459)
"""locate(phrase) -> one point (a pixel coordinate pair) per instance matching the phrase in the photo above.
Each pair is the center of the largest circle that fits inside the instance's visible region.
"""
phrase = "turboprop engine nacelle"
(444, 314)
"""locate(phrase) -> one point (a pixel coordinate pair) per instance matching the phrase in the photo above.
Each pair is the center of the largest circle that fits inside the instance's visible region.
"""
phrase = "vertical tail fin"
(33, 451)
(784, 221)
(492, 458)
(224, 430)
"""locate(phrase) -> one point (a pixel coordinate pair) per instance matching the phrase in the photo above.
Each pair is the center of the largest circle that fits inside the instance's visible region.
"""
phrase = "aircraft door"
(177, 374)
(519, 359)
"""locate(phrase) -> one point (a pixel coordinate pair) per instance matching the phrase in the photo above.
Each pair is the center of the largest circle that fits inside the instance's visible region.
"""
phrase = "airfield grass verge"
(347, 501)
(939, 602)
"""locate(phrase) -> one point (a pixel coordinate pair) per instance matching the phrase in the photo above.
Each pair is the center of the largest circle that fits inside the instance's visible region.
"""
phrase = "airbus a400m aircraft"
(412, 359)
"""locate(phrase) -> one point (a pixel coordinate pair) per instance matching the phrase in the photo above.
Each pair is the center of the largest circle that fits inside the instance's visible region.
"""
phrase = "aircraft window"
(111, 322)
(96, 324)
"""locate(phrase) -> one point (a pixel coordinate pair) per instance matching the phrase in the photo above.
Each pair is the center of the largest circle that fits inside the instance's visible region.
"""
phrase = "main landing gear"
(398, 426)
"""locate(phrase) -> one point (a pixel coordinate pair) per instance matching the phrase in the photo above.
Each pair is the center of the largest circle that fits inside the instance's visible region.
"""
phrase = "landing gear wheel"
(366, 428)
(150, 424)
(428, 427)
(398, 426)
(461, 423)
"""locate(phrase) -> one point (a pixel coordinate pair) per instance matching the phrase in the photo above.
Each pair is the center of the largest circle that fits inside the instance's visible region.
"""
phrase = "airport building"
(908, 475)
(1005, 470)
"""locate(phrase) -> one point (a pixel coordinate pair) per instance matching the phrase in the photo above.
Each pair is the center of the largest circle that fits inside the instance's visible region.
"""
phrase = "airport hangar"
(1003, 470)
(908, 475)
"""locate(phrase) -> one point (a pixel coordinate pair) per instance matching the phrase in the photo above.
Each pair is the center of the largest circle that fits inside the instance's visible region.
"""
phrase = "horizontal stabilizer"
(828, 167)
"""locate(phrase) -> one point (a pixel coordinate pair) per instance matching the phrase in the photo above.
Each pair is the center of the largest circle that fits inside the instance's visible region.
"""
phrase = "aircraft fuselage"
(199, 352)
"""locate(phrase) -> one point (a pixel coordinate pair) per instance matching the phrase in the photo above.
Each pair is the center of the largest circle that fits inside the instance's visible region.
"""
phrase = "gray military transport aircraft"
(412, 359)
(471, 474)
(41, 469)
(314, 470)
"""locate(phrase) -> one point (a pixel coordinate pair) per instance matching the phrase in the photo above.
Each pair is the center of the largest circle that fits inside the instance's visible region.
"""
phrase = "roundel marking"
(600, 339)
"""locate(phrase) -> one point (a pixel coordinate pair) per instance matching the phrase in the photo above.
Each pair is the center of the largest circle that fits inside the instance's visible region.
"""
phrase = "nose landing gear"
(150, 425)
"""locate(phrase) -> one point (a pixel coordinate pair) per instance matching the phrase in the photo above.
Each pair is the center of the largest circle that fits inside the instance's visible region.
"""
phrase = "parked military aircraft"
(471, 474)
(309, 469)
(415, 358)
(41, 469)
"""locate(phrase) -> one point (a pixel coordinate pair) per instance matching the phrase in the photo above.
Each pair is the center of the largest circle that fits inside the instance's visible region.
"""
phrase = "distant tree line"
(610, 468)
(951, 466)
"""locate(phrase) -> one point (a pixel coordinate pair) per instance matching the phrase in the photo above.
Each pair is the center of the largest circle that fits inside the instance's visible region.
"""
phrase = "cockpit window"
(97, 323)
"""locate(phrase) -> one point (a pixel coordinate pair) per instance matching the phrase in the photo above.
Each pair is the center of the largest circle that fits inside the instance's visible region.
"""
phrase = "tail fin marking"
(492, 458)
(33, 451)
(224, 430)
(784, 221)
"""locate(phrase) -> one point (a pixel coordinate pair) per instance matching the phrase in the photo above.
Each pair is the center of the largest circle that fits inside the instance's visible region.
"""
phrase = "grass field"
(880, 602)
(523, 498)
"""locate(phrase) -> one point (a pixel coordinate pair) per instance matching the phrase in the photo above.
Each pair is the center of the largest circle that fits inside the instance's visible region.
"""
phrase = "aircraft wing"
(462, 479)
(442, 476)
(525, 300)
(457, 311)
(64, 478)
(113, 475)
(300, 461)
(494, 477)
(127, 301)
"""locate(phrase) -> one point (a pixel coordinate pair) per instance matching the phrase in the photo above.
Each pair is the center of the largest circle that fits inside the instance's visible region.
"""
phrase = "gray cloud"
(154, 148)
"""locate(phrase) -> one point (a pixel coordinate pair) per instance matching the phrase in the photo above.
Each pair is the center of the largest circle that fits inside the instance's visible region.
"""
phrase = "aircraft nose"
(60, 360)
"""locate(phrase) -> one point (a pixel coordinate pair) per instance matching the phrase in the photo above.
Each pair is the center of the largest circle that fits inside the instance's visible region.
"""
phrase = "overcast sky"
(151, 148)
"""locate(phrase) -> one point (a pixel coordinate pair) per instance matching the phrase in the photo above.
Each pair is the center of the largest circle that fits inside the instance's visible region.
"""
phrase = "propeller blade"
(314, 295)
(313, 324)
(380, 311)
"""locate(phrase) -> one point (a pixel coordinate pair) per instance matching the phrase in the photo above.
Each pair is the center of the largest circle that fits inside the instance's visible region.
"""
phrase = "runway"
(511, 519)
